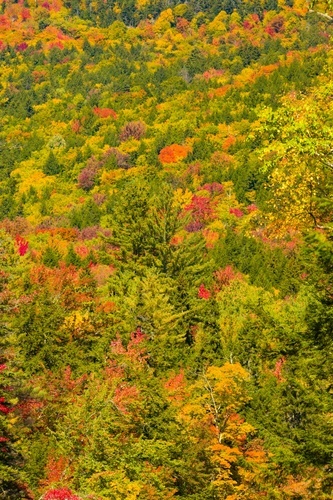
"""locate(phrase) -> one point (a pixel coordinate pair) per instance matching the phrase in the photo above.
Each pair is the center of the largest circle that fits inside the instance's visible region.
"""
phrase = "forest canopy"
(166, 183)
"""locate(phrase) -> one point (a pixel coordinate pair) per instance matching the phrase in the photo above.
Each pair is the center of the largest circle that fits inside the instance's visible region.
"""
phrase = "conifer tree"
(52, 165)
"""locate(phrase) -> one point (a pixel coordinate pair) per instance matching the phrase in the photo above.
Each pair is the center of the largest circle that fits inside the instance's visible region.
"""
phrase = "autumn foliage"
(166, 281)
(173, 153)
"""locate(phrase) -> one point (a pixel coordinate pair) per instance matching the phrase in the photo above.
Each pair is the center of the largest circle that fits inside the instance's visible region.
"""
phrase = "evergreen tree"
(52, 166)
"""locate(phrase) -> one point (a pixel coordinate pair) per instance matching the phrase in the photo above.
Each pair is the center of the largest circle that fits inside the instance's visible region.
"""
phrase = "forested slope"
(166, 248)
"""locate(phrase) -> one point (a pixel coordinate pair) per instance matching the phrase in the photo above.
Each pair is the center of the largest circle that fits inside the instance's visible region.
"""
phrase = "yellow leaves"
(78, 324)
(218, 25)
(228, 381)
(36, 179)
(162, 24)
(116, 8)
(117, 30)
(225, 455)
(111, 177)
(141, 4)
(129, 146)
(216, 225)
(166, 15)
(182, 197)
(297, 153)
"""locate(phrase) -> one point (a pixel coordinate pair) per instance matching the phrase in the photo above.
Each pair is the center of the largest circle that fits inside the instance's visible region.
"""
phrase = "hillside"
(166, 180)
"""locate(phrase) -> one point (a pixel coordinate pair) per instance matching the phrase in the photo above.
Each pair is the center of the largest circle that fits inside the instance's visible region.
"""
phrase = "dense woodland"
(166, 283)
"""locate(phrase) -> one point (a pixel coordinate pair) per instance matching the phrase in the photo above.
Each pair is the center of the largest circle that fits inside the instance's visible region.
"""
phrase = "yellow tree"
(236, 457)
(297, 156)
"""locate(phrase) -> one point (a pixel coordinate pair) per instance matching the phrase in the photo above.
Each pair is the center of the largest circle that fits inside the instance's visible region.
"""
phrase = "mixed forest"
(166, 281)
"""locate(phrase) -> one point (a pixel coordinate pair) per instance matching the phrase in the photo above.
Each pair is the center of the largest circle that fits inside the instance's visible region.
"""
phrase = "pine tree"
(52, 166)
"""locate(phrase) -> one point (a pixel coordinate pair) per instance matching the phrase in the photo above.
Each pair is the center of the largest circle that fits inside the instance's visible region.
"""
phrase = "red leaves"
(214, 188)
(236, 212)
(226, 275)
(251, 208)
(203, 293)
(3, 408)
(60, 494)
(247, 25)
(105, 113)
(201, 208)
(25, 14)
(21, 47)
(22, 245)
(136, 350)
(275, 26)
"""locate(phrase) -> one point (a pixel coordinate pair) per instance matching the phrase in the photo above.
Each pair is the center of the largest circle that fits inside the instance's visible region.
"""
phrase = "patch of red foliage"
(21, 47)
(251, 208)
(201, 208)
(60, 494)
(236, 212)
(203, 293)
(225, 276)
(22, 245)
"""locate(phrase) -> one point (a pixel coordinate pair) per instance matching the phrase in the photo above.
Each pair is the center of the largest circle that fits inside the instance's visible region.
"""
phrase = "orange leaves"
(211, 237)
(107, 307)
(105, 113)
(229, 141)
(174, 153)
(298, 488)
(76, 126)
(176, 388)
(256, 453)
(55, 471)
(101, 272)
(65, 233)
(209, 415)
(213, 73)
(66, 282)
